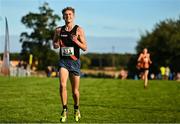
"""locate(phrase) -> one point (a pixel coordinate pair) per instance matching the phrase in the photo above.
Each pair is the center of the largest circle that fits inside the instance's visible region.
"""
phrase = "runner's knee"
(75, 92)
(62, 85)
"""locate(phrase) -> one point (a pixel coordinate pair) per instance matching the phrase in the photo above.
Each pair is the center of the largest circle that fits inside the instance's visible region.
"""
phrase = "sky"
(109, 25)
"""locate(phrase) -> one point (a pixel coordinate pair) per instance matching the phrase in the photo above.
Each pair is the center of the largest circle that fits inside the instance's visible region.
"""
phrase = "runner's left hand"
(74, 38)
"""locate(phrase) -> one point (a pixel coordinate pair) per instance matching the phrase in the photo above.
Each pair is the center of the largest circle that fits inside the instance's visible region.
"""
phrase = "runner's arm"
(56, 40)
(150, 59)
(80, 39)
(139, 58)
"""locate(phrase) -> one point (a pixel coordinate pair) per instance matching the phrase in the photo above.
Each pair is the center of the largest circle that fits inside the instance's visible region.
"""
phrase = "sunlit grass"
(102, 100)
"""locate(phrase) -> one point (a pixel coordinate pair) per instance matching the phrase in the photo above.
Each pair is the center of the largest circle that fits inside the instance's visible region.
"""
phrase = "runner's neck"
(69, 27)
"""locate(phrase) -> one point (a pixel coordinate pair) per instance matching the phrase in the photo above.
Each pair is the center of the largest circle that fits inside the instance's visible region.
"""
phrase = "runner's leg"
(75, 81)
(63, 77)
(146, 78)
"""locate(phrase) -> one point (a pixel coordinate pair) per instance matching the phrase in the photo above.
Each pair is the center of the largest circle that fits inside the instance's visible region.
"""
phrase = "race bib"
(67, 51)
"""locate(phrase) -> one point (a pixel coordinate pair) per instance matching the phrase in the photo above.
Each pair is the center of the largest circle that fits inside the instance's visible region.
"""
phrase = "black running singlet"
(69, 48)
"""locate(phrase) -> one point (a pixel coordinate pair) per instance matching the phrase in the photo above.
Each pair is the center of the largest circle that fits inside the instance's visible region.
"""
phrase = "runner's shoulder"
(80, 29)
(58, 29)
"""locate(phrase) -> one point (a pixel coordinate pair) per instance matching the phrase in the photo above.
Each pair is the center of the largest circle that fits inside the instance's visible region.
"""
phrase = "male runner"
(70, 38)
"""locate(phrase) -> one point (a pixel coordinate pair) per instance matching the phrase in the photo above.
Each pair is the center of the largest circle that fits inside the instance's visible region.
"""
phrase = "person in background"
(167, 72)
(163, 72)
(144, 62)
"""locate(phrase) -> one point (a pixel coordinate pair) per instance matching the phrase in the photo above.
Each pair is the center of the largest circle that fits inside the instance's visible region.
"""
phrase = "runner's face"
(145, 50)
(68, 16)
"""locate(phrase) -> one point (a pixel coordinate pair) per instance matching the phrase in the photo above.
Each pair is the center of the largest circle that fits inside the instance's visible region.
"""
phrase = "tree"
(102, 60)
(85, 62)
(164, 44)
(38, 41)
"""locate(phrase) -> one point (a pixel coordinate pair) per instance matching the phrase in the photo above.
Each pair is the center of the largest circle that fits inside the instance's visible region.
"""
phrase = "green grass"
(102, 100)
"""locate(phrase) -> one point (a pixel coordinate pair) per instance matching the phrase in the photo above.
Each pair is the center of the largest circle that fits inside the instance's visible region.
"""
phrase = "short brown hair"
(68, 8)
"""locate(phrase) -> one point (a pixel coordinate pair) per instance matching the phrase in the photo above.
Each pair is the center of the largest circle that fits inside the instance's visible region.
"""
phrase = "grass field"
(102, 100)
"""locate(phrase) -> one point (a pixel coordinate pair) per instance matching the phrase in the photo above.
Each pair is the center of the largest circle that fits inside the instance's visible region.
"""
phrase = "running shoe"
(77, 115)
(63, 117)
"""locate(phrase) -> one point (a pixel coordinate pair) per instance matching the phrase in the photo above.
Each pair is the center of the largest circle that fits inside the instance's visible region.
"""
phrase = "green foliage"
(108, 60)
(38, 41)
(131, 65)
(163, 43)
(36, 100)
(13, 56)
(85, 62)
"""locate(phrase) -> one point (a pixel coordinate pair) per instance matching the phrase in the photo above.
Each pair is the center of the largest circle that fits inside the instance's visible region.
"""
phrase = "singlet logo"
(64, 35)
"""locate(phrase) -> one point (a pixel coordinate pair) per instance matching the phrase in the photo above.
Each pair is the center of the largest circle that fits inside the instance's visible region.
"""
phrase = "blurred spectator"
(167, 72)
(48, 71)
(178, 76)
(172, 75)
(54, 72)
(158, 76)
(136, 77)
(123, 74)
(152, 76)
(162, 69)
